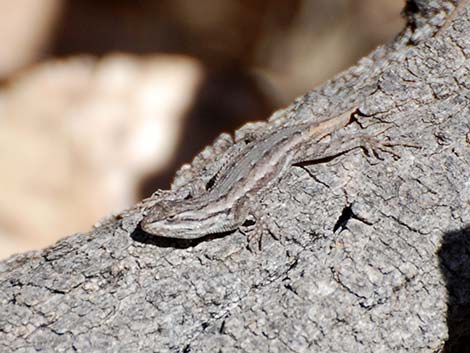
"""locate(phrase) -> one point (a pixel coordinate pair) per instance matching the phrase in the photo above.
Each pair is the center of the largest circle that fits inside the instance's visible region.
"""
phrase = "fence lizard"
(232, 196)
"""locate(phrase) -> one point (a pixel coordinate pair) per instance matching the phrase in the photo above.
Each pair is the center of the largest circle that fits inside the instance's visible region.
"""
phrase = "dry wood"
(374, 257)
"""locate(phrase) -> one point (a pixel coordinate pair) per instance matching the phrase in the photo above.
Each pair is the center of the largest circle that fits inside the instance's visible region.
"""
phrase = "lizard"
(232, 197)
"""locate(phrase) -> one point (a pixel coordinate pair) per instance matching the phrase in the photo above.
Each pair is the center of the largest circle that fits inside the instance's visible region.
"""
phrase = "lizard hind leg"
(374, 146)
(371, 144)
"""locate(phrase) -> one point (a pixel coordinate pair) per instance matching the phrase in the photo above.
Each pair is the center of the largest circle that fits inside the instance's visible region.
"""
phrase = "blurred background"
(102, 100)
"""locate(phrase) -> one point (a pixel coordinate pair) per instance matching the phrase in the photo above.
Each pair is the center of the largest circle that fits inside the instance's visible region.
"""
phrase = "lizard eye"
(171, 217)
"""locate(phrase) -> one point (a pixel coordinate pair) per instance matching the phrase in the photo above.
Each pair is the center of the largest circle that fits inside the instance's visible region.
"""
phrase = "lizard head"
(178, 219)
(163, 219)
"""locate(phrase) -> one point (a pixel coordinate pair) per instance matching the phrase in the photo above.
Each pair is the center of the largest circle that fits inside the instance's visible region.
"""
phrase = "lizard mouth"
(147, 223)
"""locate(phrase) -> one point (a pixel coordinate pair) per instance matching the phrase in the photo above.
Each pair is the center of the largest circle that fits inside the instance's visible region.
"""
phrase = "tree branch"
(374, 257)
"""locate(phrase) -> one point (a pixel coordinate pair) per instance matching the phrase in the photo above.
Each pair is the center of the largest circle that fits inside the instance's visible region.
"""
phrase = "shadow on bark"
(167, 242)
(454, 261)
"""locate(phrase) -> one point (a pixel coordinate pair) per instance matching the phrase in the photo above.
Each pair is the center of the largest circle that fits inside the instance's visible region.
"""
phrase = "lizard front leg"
(247, 209)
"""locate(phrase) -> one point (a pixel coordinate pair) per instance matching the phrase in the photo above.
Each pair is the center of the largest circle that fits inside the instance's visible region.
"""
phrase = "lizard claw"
(255, 232)
(374, 146)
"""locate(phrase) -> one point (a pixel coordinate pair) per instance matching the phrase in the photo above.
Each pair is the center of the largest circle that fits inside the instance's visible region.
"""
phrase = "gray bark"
(374, 255)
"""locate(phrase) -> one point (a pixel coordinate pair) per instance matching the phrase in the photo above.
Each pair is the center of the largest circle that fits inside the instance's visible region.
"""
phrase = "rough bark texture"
(374, 257)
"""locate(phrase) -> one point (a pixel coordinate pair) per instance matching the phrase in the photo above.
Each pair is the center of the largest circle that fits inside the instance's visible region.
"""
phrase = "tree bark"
(374, 255)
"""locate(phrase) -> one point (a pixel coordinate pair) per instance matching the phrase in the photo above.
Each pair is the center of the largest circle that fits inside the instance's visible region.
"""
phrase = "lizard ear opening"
(211, 182)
